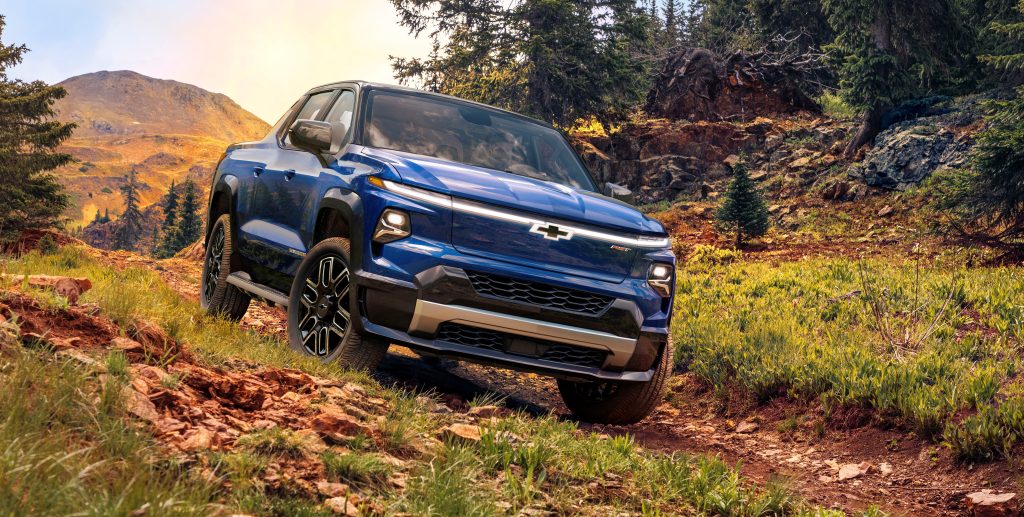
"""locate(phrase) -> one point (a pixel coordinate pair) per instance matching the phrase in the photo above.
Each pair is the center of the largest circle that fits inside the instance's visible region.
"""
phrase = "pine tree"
(129, 225)
(670, 35)
(30, 197)
(190, 224)
(168, 245)
(1013, 61)
(557, 60)
(987, 200)
(743, 212)
(880, 46)
(692, 21)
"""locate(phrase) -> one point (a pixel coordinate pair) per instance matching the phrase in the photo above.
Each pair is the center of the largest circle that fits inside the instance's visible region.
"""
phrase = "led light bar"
(502, 215)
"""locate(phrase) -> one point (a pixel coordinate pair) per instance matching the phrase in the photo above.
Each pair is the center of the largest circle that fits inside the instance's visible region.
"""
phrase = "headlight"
(412, 192)
(659, 277)
(392, 226)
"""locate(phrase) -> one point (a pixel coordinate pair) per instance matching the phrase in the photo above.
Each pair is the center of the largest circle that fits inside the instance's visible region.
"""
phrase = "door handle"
(256, 171)
(289, 174)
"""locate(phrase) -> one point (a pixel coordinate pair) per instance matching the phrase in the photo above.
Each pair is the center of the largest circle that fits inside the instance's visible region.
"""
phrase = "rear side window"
(313, 107)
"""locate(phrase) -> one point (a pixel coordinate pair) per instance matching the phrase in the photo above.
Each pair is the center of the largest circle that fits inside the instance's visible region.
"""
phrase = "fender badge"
(616, 247)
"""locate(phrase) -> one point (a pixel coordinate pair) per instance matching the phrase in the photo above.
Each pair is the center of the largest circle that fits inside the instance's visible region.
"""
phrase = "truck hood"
(516, 192)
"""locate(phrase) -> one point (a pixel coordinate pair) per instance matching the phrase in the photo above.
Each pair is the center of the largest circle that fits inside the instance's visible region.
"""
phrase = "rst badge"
(551, 232)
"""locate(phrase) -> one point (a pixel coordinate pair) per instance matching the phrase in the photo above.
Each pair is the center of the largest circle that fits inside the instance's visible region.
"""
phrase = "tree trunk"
(870, 126)
(871, 123)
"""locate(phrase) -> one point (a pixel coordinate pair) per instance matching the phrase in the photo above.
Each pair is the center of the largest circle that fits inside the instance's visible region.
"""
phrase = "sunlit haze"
(261, 53)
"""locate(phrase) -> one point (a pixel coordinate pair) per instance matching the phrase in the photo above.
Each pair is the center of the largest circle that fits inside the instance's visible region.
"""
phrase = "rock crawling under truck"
(377, 215)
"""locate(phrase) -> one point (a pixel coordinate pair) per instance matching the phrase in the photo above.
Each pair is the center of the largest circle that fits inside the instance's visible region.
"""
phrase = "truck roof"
(397, 88)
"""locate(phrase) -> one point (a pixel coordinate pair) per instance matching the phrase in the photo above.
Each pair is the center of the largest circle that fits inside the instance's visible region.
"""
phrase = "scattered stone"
(139, 404)
(800, 163)
(886, 211)
(484, 411)
(328, 489)
(885, 469)
(127, 345)
(731, 160)
(198, 439)
(986, 503)
(746, 427)
(461, 432)
(342, 506)
(853, 470)
(334, 424)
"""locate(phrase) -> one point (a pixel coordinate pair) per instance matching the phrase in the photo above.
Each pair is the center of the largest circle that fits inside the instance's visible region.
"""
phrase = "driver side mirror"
(619, 192)
(313, 135)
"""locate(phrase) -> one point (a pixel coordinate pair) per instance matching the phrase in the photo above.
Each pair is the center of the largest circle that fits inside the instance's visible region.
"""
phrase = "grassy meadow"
(921, 343)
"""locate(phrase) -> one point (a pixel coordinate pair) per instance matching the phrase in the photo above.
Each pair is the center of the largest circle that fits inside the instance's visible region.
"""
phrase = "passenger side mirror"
(619, 192)
(312, 135)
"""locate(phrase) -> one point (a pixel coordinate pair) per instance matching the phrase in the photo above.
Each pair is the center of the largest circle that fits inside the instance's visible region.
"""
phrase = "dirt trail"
(783, 441)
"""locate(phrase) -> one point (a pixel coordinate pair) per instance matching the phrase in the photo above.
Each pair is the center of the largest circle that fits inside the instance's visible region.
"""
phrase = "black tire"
(319, 315)
(618, 403)
(216, 295)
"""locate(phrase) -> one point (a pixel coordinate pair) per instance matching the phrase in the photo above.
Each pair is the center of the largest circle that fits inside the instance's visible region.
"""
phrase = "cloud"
(261, 53)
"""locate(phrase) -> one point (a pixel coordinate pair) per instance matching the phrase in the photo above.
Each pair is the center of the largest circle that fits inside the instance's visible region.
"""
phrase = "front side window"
(341, 113)
(472, 135)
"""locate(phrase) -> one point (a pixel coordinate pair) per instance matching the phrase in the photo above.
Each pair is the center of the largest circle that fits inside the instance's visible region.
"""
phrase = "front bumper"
(440, 312)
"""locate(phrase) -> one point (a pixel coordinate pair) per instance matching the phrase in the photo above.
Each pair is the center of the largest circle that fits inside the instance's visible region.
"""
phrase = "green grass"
(916, 345)
(61, 453)
(356, 468)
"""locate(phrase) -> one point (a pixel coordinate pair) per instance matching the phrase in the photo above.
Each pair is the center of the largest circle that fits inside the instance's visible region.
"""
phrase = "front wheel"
(320, 311)
(216, 295)
(618, 403)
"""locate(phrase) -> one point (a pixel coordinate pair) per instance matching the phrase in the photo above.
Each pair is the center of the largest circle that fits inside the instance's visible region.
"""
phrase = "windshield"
(454, 131)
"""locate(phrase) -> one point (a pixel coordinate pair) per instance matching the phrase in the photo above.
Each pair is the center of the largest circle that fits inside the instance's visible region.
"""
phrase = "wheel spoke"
(326, 271)
(323, 335)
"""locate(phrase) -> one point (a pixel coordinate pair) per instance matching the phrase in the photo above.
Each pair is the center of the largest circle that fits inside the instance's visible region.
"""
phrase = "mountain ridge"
(165, 130)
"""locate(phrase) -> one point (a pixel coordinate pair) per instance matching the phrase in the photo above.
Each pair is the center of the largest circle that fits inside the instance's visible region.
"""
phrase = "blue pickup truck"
(378, 214)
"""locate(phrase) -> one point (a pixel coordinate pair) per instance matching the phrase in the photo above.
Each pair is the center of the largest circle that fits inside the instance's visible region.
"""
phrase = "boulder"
(467, 433)
(334, 424)
(987, 503)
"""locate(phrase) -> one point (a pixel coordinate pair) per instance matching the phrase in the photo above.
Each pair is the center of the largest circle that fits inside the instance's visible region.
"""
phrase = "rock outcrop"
(908, 152)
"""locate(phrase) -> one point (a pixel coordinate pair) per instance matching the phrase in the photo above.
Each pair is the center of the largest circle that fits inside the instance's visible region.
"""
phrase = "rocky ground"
(845, 464)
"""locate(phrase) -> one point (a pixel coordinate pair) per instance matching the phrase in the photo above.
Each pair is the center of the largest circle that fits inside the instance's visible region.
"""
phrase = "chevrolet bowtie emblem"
(551, 232)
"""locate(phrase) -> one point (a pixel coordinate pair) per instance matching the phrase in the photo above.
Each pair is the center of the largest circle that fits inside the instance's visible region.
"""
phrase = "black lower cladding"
(466, 335)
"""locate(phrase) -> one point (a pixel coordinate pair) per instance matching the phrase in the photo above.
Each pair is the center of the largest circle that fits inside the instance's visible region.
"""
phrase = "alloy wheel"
(213, 260)
(325, 313)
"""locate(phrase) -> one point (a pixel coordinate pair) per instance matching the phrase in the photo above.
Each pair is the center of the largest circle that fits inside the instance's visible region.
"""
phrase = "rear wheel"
(320, 312)
(618, 403)
(216, 295)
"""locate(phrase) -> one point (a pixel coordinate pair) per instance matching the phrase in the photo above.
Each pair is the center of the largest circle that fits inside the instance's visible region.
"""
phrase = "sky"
(262, 53)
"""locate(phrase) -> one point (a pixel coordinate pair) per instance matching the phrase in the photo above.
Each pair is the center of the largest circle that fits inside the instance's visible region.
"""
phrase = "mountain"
(166, 130)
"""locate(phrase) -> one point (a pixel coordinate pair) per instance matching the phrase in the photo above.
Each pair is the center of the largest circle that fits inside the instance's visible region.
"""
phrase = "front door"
(271, 233)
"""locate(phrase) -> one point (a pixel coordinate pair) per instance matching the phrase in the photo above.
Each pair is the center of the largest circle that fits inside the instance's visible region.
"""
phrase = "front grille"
(536, 293)
(517, 345)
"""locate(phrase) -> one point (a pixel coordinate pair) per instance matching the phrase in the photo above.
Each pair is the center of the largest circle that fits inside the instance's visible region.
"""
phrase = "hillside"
(166, 130)
(172, 409)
